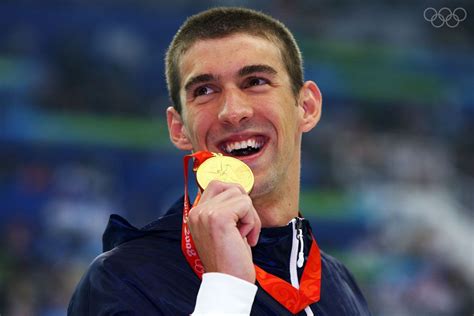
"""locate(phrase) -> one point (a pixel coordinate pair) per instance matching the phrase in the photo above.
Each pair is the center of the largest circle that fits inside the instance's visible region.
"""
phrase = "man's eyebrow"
(248, 70)
(198, 79)
(244, 71)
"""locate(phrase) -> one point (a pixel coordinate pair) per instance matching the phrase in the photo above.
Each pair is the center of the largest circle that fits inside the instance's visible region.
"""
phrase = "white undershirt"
(223, 294)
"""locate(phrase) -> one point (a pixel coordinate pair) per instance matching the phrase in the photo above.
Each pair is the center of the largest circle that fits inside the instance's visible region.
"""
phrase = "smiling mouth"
(242, 148)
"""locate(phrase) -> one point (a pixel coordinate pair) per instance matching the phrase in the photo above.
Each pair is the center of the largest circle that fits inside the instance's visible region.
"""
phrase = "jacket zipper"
(297, 256)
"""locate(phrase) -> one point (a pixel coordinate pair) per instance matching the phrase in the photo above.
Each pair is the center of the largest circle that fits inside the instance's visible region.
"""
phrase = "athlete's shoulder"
(136, 272)
(338, 282)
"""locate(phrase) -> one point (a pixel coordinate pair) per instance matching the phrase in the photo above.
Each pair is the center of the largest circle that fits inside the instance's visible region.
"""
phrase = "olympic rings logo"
(445, 16)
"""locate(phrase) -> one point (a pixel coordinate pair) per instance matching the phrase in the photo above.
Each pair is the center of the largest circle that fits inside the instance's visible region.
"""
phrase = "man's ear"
(310, 103)
(176, 130)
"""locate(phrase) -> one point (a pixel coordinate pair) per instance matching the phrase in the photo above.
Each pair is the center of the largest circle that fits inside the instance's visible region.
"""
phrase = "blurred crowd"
(387, 177)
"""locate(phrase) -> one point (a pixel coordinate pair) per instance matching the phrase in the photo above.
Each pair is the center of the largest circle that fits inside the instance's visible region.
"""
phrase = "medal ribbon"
(286, 294)
(187, 243)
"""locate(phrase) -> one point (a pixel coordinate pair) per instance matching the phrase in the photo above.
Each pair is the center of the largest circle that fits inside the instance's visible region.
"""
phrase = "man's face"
(237, 100)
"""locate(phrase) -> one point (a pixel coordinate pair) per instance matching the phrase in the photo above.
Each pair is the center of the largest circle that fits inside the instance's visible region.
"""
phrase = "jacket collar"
(119, 230)
(272, 252)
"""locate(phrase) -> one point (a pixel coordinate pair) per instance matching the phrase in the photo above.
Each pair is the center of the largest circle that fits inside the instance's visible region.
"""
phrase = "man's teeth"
(243, 145)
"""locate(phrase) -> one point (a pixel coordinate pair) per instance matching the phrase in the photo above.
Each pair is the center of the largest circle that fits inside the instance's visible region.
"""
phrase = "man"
(235, 79)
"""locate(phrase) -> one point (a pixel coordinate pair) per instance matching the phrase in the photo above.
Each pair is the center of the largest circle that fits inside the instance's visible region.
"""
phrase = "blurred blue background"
(388, 174)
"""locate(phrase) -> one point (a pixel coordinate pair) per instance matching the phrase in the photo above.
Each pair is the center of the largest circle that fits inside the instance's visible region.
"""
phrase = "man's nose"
(235, 108)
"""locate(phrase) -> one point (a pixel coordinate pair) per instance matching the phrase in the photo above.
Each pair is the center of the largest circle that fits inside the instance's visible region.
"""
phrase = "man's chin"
(261, 188)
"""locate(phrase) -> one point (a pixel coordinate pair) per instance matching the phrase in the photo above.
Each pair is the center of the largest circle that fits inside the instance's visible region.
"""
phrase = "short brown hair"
(224, 21)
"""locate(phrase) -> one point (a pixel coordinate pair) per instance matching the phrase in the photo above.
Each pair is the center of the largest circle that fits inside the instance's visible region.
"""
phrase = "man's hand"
(224, 225)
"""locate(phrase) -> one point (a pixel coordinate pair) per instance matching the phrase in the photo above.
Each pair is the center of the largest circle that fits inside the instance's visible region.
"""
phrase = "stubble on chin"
(263, 187)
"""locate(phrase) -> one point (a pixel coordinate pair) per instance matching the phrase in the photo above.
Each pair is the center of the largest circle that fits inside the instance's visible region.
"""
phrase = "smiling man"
(236, 83)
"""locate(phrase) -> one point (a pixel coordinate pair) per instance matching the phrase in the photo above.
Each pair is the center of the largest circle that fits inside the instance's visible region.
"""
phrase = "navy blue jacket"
(143, 272)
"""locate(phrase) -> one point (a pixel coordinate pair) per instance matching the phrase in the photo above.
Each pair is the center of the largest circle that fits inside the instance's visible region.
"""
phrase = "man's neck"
(279, 207)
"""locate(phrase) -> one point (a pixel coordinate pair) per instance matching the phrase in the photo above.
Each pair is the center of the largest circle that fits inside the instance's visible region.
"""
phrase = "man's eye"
(205, 90)
(256, 82)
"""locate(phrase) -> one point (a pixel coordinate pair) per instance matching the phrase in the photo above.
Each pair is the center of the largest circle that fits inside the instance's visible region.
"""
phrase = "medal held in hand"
(209, 166)
(225, 169)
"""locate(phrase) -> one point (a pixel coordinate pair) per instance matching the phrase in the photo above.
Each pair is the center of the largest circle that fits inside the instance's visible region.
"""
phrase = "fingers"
(224, 225)
(254, 234)
(230, 207)
(249, 226)
(250, 233)
(236, 202)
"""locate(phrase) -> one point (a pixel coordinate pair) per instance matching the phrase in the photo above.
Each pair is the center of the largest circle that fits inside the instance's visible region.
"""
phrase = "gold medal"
(225, 169)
